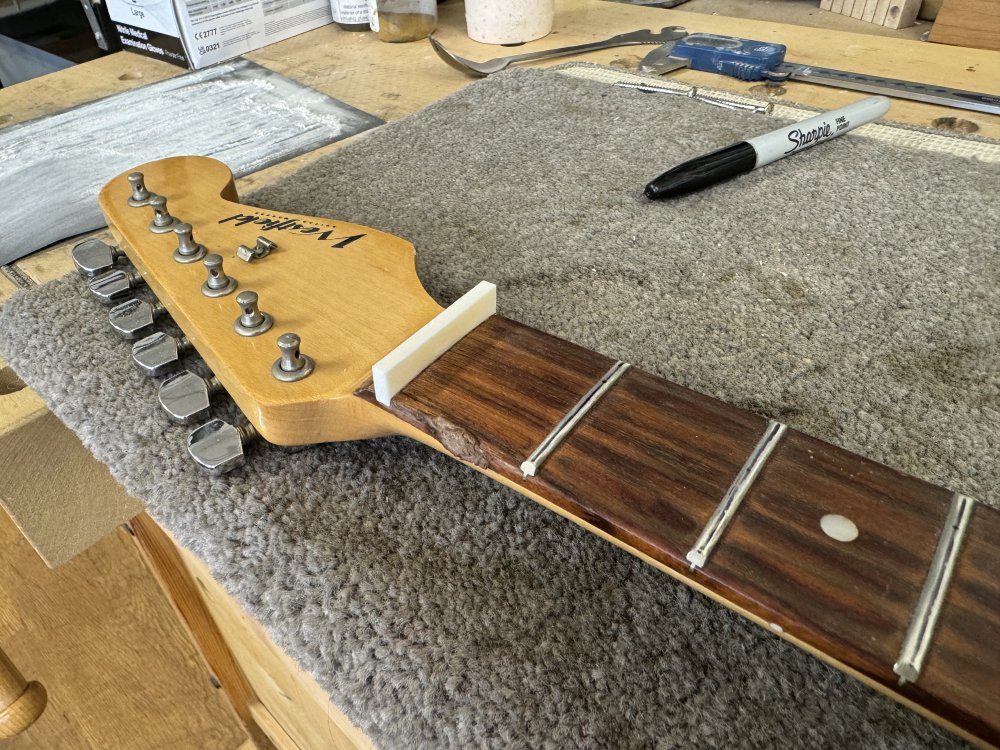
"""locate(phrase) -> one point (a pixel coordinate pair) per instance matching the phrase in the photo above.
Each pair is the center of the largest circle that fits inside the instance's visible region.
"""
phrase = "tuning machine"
(218, 283)
(186, 396)
(140, 195)
(159, 353)
(188, 251)
(162, 221)
(93, 257)
(219, 446)
(252, 322)
(133, 318)
(292, 365)
(112, 287)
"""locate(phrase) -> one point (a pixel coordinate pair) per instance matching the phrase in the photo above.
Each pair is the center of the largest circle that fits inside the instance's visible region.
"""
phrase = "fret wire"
(551, 441)
(920, 633)
(724, 513)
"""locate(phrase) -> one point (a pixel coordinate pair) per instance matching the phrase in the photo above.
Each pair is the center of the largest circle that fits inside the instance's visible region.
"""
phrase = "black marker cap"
(704, 171)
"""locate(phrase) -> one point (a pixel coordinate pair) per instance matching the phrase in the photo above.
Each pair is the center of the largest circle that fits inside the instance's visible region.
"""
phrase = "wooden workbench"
(392, 81)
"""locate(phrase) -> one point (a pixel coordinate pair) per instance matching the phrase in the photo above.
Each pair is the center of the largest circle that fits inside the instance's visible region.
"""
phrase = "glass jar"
(403, 20)
(351, 15)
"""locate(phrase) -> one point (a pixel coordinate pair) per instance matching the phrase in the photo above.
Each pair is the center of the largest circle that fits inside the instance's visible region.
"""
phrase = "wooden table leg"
(21, 702)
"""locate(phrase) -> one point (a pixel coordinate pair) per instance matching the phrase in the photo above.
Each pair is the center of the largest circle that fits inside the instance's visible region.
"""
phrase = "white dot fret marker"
(838, 527)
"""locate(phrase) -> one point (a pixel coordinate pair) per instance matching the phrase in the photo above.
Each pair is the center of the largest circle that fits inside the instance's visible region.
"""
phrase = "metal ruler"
(751, 60)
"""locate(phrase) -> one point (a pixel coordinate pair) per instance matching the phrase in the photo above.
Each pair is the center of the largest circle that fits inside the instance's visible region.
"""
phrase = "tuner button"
(133, 318)
(218, 284)
(188, 251)
(218, 446)
(185, 397)
(114, 286)
(252, 322)
(140, 196)
(162, 221)
(93, 257)
(159, 353)
(292, 365)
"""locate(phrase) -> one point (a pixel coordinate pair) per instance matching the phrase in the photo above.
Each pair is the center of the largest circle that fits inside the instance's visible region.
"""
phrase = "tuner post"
(252, 322)
(162, 221)
(140, 195)
(292, 365)
(188, 251)
(218, 284)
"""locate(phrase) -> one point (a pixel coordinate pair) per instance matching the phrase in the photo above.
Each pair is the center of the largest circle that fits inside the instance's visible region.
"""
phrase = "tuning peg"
(133, 318)
(93, 257)
(162, 221)
(188, 251)
(292, 365)
(140, 196)
(218, 284)
(158, 353)
(112, 287)
(252, 322)
(218, 446)
(185, 397)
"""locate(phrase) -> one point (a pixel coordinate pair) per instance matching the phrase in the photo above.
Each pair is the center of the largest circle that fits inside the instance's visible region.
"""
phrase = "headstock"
(349, 292)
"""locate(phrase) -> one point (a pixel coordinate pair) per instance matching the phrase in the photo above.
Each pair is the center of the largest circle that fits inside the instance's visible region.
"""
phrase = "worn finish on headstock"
(349, 291)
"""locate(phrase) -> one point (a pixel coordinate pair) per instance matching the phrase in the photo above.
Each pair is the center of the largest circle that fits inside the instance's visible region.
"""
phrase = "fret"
(852, 600)
(920, 634)
(530, 466)
(717, 524)
(650, 464)
(963, 661)
(643, 449)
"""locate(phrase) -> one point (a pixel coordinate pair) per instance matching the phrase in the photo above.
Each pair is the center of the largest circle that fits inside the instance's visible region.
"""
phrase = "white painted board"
(52, 168)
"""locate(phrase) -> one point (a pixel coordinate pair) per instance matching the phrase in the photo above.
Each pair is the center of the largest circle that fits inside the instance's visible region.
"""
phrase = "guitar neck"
(767, 514)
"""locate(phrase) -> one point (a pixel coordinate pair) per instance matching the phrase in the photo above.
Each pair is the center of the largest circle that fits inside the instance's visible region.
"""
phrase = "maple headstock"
(350, 292)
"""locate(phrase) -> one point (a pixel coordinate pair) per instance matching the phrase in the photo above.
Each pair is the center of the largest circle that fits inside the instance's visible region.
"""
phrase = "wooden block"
(901, 13)
(968, 23)
(62, 507)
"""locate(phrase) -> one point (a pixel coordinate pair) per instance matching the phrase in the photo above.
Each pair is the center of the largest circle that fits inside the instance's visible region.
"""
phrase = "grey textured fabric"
(849, 291)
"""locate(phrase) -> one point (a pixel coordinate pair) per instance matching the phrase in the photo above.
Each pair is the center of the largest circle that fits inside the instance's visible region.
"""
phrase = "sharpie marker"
(747, 155)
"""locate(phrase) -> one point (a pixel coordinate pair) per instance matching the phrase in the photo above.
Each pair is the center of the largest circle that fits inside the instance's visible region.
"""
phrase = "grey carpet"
(849, 290)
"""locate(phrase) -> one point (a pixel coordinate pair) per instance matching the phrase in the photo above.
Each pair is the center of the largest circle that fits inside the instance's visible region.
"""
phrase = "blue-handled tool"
(750, 60)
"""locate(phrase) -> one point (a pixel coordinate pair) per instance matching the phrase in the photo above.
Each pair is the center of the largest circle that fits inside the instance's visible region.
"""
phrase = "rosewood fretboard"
(649, 465)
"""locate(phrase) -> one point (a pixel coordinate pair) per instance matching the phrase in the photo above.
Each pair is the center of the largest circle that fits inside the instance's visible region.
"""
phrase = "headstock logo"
(282, 224)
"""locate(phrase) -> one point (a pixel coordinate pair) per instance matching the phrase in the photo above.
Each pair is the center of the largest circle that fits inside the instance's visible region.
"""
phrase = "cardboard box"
(198, 33)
